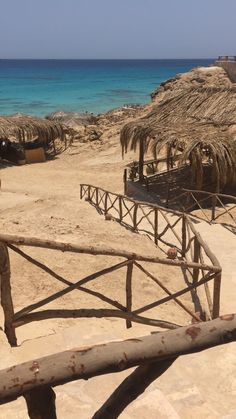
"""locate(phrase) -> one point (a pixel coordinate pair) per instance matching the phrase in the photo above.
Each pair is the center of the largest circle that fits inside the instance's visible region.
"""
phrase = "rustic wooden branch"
(202, 281)
(216, 296)
(167, 210)
(129, 292)
(184, 236)
(210, 193)
(196, 256)
(164, 288)
(197, 202)
(91, 312)
(97, 250)
(6, 298)
(134, 385)
(70, 288)
(90, 361)
(63, 280)
(207, 290)
(156, 226)
(172, 229)
(208, 252)
(41, 403)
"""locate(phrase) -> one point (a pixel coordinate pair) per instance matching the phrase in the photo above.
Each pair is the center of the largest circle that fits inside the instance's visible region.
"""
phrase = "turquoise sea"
(38, 87)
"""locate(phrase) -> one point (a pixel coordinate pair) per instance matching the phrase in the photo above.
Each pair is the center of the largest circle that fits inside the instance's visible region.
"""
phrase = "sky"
(115, 29)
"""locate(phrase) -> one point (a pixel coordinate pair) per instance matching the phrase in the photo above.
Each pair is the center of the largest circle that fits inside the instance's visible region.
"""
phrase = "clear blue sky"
(117, 28)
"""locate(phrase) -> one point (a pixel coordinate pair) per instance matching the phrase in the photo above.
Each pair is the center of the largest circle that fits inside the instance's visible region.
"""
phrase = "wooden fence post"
(135, 217)
(125, 181)
(6, 299)
(96, 195)
(196, 256)
(120, 208)
(89, 193)
(129, 292)
(41, 403)
(213, 212)
(216, 296)
(105, 205)
(156, 226)
(184, 235)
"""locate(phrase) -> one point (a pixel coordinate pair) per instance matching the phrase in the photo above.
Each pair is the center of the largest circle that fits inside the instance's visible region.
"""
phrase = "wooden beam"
(98, 250)
(134, 385)
(91, 361)
(129, 292)
(41, 403)
(91, 312)
(6, 298)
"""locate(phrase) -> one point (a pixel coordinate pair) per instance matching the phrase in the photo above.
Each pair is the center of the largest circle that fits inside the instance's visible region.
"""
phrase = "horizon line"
(110, 59)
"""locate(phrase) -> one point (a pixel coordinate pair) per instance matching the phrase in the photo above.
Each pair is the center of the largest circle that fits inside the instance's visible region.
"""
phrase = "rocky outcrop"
(201, 76)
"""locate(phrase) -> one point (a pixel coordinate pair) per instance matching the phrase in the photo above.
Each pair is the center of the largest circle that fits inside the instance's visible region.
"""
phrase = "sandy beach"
(42, 200)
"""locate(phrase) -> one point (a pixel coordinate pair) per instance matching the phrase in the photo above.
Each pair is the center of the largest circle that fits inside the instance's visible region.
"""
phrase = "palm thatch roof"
(200, 123)
(25, 128)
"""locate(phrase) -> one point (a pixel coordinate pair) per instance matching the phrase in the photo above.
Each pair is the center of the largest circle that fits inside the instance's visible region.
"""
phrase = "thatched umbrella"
(198, 123)
(24, 128)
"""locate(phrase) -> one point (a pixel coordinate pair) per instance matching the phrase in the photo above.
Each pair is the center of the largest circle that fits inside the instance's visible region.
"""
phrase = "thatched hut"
(24, 128)
(198, 125)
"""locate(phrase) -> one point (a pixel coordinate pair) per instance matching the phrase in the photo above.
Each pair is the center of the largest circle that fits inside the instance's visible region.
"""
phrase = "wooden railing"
(150, 166)
(153, 355)
(131, 260)
(165, 227)
(214, 207)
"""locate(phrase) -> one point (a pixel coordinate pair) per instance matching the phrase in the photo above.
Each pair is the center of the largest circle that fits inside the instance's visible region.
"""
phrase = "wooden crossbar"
(70, 288)
(206, 278)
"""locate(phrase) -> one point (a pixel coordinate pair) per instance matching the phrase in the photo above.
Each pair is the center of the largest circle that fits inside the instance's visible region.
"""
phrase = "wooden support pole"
(41, 403)
(94, 360)
(216, 296)
(89, 193)
(120, 209)
(135, 217)
(125, 181)
(156, 226)
(105, 204)
(96, 196)
(184, 236)
(213, 213)
(6, 298)
(196, 255)
(129, 292)
(134, 385)
(141, 159)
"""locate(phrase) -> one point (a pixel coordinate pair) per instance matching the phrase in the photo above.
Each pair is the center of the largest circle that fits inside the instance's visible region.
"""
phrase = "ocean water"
(38, 87)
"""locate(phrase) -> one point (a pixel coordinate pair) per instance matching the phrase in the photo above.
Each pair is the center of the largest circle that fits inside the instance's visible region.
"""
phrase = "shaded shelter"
(195, 126)
(24, 128)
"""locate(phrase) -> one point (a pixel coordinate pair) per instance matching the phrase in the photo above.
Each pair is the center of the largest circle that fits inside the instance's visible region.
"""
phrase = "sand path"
(43, 200)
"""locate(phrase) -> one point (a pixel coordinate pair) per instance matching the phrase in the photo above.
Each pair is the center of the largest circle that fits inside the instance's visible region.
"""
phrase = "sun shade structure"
(24, 128)
(198, 125)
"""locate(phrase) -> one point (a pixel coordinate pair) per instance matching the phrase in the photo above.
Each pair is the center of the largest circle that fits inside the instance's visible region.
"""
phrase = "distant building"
(228, 63)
